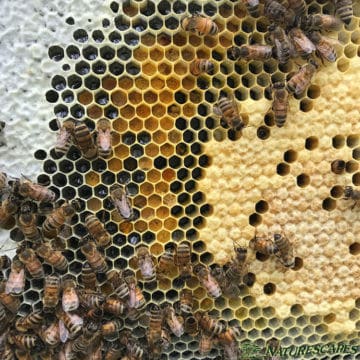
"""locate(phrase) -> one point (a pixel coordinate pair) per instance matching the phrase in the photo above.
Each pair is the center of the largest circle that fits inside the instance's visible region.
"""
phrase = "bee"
(57, 219)
(3, 181)
(263, 245)
(199, 24)
(32, 264)
(351, 193)
(252, 7)
(26, 342)
(85, 141)
(51, 334)
(338, 166)
(114, 306)
(9, 301)
(53, 257)
(165, 264)
(95, 259)
(8, 208)
(191, 326)
(344, 9)
(282, 45)
(175, 323)
(31, 321)
(302, 78)
(64, 137)
(15, 284)
(70, 299)
(51, 293)
(284, 250)
(3, 313)
(186, 301)
(28, 223)
(183, 259)
(136, 298)
(199, 66)
(113, 352)
(7, 353)
(229, 336)
(229, 112)
(280, 105)
(250, 52)
(298, 6)
(320, 22)
(73, 324)
(5, 262)
(97, 231)
(228, 287)
(133, 348)
(88, 277)
(155, 324)
(110, 330)
(207, 281)
(302, 44)
(146, 263)
(324, 48)
(121, 201)
(205, 343)
(92, 300)
(104, 138)
(208, 324)
(82, 345)
(37, 192)
(276, 12)
(94, 314)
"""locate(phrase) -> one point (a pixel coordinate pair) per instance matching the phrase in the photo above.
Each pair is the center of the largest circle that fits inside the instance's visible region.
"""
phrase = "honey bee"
(207, 281)
(8, 208)
(199, 24)
(85, 141)
(302, 44)
(5, 262)
(281, 42)
(263, 245)
(208, 324)
(118, 284)
(146, 263)
(324, 48)
(15, 284)
(97, 231)
(191, 326)
(250, 52)
(53, 257)
(94, 314)
(114, 306)
(92, 300)
(121, 201)
(110, 330)
(9, 301)
(73, 324)
(302, 78)
(3, 181)
(183, 259)
(252, 7)
(230, 335)
(31, 321)
(165, 264)
(37, 192)
(51, 293)
(70, 299)
(280, 105)
(228, 287)
(51, 334)
(229, 112)
(351, 193)
(155, 324)
(55, 221)
(338, 166)
(64, 137)
(186, 301)
(113, 352)
(26, 342)
(175, 323)
(104, 137)
(344, 9)
(298, 6)
(32, 264)
(199, 66)
(136, 298)
(134, 351)
(95, 259)
(83, 344)
(7, 353)
(276, 12)
(284, 250)
(320, 22)
(88, 277)
(237, 266)
(28, 223)
(205, 343)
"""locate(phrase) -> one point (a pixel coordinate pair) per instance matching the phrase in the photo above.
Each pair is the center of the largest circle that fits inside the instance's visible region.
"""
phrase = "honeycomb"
(191, 178)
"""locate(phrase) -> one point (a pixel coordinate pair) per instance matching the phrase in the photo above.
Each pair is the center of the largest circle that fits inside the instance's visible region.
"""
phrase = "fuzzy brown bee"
(209, 324)
(95, 259)
(207, 281)
(110, 330)
(298, 6)
(252, 7)
(70, 299)
(97, 231)
(16, 282)
(85, 141)
(9, 301)
(302, 78)
(206, 343)
(155, 324)
(351, 193)
(174, 322)
(320, 22)
(51, 293)
(280, 105)
(52, 257)
(324, 48)
(146, 263)
(73, 324)
(82, 345)
(229, 287)
(344, 9)
(103, 139)
(114, 351)
(26, 342)
(31, 321)
(183, 259)
(136, 298)
(186, 301)
(5, 262)
(51, 334)
(199, 24)
(8, 208)
(250, 52)
(199, 66)
(284, 250)
(237, 266)
(114, 306)
(88, 277)
(302, 44)
(229, 112)
(28, 223)
(64, 137)
(121, 201)
(32, 264)
(92, 300)
(277, 12)
(165, 264)
(37, 192)
(283, 48)
(263, 245)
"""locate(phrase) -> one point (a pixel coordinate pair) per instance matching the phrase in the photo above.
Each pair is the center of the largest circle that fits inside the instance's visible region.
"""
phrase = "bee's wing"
(217, 110)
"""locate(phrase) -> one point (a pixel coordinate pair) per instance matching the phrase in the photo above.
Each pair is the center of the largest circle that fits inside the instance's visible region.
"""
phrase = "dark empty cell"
(311, 143)
(108, 178)
(99, 165)
(209, 96)
(120, 263)
(160, 162)
(82, 68)
(112, 252)
(255, 219)
(43, 180)
(130, 164)
(191, 235)
(66, 67)
(190, 210)
(182, 174)
(184, 222)
(179, 7)
(204, 160)
(122, 22)
(282, 169)
(206, 209)
(180, 97)
(139, 25)
(72, 52)
(116, 68)
(306, 105)
(261, 207)
(352, 141)
(74, 82)
(31, 296)
(51, 96)
(92, 82)
(59, 180)
(197, 173)
(183, 198)
(98, 36)
(298, 264)
(217, 83)
(40, 154)
(111, 228)
(249, 279)
(138, 176)
(128, 138)
(143, 138)
(303, 180)
(269, 120)
(68, 96)
(176, 186)
(241, 68)
(82, 165)
(270, 66)
(188, 136)
(73, 153)
(198, 222)
(124, 53)
(50, 166)
(77, 111)
(338, 141)
(248, 80)
(263, 132)
(58, 83)
(148, 237)
(290, 156)
(354, 248)
(90, 52)
(101, 191)
(55, 190)
(68, 192)
(102, 98)
(336, 191)
(119, 239)
(75, 179)
(256, 93)
(114, 6)
(131, 39)
(149, 9)
(132, 68)
(182, 149)
(56, 53)
(189, 161)
(164, 7)
(329, 204)
(190, 185)
(202, 110)
(107, 53)
(202, 83)
(181, 123)
(61, 111)
(99, 67)
(75, 267)
(172, 23)
(269, 288)
(81, 35)
(136, 150)
(115, 37)
(209, 9)
(174, 162)
(123, 177)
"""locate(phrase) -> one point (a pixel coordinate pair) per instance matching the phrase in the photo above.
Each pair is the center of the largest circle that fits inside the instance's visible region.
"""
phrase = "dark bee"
(209, 324)
(183, 259)
(104, 138)
(32, 263)
(27, 222)
(229, 112)
(284, 250)
(199, 66)
(302, 44)
(238, 265)
(26, 342)
(199, 24)
(37, 192)
(85, 141)
(15, 284)
(95, 259)
(9, 301)
(263, 245)
(186, 301)
(207, 281)
(97, 231)
(64, 138)
(344, 9)
(324, 48)
(351, 193)
(110, 329)
(51, 293)
(320, 22)
(280, 105)
(277, 12)
(88, 277)
(250, 52)
(155, 324)
(298, 6)
(252, 7)
(52, 257)
(282, 46)
(31, 321)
